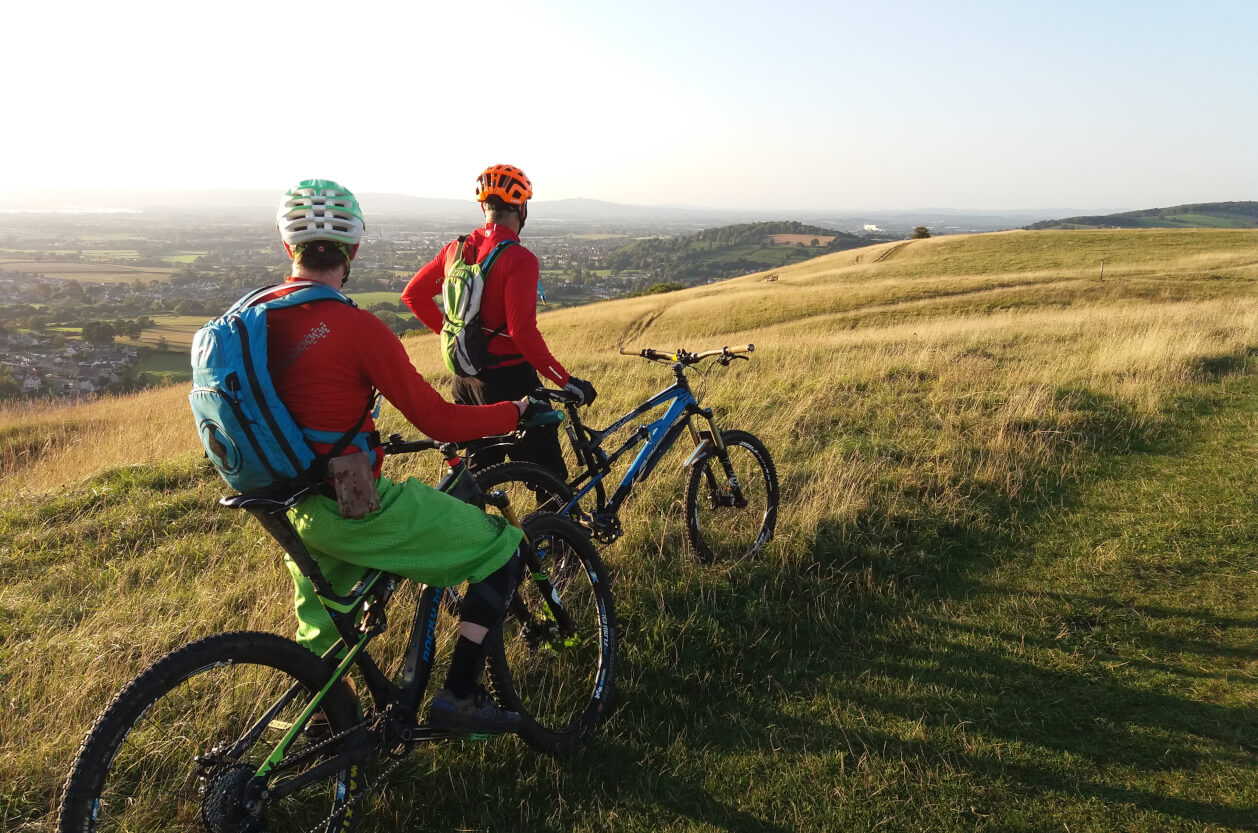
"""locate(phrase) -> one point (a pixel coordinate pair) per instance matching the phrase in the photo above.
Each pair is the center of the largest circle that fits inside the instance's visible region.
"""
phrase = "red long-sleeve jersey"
(325, 357)
(510, 300)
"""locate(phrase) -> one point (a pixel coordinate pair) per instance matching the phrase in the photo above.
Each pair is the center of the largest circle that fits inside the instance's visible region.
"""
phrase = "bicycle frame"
(359, 617)
(658, 436)
(416, 671)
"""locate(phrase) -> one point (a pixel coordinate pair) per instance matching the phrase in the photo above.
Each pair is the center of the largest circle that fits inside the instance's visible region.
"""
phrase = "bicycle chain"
(353, 802)
(340, 812)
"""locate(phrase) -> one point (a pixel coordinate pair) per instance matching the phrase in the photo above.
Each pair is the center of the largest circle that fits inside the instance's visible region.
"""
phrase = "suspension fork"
(715, 440)
(714, 436)
(536, 571)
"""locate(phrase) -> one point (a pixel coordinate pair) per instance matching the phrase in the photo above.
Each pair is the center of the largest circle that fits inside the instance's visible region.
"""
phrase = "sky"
(1104, 104)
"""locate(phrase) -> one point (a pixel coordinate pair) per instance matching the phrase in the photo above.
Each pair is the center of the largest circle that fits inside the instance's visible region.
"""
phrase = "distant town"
(107, 301)
(56, 366)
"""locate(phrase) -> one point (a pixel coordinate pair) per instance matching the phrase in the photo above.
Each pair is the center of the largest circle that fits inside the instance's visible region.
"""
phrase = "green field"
(1013, 587)
(106, 254)
(89, 272)
(171, 365)
(114, 254)
(1207, 221)
(366, 299)
(178, 331)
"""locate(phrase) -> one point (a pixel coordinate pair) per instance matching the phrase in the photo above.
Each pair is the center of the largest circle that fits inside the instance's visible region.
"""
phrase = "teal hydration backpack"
(464, 340)
(248, 434)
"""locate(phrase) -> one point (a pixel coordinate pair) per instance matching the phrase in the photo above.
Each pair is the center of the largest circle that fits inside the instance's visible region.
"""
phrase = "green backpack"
(464, 340)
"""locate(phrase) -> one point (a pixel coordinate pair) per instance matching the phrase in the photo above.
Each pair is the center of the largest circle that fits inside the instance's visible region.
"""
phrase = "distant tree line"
(713, 254)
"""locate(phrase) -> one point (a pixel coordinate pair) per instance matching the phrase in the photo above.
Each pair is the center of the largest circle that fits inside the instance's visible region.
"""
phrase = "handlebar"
(396, 445)
(537, 416)
(724, 356)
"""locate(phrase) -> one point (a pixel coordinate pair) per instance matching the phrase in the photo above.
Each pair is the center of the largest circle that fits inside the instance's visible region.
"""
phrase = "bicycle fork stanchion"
(533, 563)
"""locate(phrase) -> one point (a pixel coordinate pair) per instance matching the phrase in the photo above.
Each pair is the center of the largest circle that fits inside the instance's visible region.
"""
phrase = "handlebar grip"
(647, 352)
(540, 419)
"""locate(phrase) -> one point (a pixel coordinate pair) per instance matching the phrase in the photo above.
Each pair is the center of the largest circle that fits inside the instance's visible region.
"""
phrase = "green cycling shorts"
(419, 533)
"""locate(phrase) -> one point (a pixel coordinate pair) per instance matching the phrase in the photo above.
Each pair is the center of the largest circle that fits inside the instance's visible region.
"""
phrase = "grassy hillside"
(1013, 586)
(1195, 215)
(718, 253)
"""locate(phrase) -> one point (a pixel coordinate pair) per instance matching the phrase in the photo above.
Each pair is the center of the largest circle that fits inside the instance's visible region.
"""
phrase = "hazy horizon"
(808, 106)
(102, 199)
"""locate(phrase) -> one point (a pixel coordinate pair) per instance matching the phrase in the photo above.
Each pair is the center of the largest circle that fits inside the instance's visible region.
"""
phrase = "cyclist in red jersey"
(518, 353)
(325, 359)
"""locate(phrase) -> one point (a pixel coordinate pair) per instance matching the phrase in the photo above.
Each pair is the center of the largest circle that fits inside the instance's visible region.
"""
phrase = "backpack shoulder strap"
(460, 252)
(494, 253)
(302, 292)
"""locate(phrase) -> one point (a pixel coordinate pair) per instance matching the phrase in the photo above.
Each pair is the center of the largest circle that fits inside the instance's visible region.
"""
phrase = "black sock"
(465, 667)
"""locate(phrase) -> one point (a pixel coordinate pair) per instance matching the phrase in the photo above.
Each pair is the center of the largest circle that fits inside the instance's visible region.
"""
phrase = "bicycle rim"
(725, 522)
(560, 683)
(138, 771)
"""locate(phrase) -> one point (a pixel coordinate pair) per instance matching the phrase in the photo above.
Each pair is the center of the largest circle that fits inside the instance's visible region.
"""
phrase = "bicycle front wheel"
(530, 487)
(732, 499)
(557, 663)
(180, 746)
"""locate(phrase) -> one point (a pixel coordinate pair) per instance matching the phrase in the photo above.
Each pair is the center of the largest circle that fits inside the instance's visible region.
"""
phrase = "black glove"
(582, 389)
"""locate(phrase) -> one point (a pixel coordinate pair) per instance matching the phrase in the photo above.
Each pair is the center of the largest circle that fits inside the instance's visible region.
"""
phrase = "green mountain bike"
(248, 731)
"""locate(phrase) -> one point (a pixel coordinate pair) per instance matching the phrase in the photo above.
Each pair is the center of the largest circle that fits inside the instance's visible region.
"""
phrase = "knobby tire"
(135, 771)
(715, 526)
(560, 684)
(530, 487)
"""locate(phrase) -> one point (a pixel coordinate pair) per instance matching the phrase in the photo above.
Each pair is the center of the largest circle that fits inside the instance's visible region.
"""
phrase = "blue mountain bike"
(731, 497)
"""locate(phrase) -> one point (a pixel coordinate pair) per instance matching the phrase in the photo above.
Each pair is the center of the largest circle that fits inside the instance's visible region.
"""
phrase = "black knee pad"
(487, 600)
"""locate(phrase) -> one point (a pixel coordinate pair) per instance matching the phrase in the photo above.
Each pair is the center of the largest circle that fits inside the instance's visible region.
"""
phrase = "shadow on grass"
(1070, 701)
(851, 655)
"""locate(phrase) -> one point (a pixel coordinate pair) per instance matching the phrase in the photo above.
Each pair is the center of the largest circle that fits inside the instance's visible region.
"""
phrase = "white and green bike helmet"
(319, 209)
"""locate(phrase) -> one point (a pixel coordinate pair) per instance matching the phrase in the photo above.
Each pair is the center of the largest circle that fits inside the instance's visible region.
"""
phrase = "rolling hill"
(1193, 215)
(1012, 586)
(718, 253)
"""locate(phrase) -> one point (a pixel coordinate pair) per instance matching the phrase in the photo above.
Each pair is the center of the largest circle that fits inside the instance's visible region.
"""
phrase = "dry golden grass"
(45, 445)
(910, 390)
(935, 311)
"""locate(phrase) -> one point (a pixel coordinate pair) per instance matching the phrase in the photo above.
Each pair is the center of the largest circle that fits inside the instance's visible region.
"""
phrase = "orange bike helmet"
(507, 182)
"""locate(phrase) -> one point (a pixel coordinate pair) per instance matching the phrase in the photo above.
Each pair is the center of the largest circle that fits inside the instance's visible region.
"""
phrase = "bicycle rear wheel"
(732, 499)
(530, 487)
(557, 662)
(174, 750)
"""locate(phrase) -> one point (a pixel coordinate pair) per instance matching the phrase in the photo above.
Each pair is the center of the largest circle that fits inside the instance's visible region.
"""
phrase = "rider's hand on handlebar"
(582, 389)
(538, 412)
